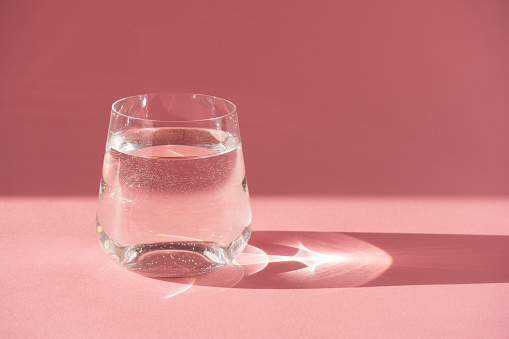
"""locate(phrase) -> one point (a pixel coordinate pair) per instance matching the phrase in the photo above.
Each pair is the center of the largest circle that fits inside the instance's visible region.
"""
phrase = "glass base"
(173, 259)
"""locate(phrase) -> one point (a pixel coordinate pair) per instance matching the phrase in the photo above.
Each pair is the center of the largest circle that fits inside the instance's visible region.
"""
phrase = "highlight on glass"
(173, 198)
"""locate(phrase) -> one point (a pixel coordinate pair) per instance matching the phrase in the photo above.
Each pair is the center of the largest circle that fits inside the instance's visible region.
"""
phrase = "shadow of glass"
(303, 260)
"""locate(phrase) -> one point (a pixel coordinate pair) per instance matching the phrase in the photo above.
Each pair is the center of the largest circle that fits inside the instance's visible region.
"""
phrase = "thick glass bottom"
(173, 259)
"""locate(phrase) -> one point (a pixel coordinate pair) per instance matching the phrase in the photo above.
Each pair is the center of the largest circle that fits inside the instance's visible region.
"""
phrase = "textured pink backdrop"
(334, 97)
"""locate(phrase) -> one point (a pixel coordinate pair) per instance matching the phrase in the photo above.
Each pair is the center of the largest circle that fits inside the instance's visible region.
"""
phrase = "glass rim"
(234, 110)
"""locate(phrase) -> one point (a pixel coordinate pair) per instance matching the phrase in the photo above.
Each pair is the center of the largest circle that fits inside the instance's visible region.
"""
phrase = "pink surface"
(315, 267)
(335, 97)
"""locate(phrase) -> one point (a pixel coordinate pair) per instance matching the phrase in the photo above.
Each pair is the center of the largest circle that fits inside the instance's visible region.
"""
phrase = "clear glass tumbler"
(173, 198)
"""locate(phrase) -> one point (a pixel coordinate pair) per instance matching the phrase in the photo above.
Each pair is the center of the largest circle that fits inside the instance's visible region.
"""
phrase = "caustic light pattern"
(309, 260)
(298, 260)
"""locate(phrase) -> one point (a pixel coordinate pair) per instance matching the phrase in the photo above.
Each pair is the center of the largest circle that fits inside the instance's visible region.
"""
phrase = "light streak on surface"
(187, 287)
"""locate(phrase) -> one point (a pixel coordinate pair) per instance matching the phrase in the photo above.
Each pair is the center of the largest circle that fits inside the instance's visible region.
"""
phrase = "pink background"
(334, 97)
(378, 128)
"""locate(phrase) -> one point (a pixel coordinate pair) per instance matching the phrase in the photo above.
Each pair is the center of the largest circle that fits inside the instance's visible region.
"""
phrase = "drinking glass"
(173, 198)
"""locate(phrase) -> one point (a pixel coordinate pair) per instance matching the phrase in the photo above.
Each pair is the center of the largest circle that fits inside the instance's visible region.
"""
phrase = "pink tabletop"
(315, 267)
